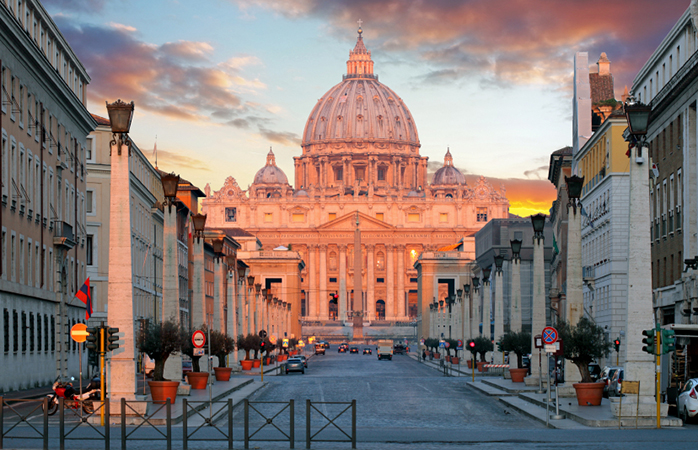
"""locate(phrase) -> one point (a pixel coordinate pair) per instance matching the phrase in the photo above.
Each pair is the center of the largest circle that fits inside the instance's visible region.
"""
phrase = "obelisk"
(358, 319)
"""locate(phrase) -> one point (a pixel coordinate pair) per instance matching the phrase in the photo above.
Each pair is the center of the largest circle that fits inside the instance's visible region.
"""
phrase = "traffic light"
(471, 344)
(499, 346)
(112, 339)
(92, 339)
(649, 341)
(616, 343)
(668, 341)
(263, 346)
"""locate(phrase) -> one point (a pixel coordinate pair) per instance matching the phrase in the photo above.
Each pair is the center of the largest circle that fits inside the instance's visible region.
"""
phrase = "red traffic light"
(471, 344)
(617, 342)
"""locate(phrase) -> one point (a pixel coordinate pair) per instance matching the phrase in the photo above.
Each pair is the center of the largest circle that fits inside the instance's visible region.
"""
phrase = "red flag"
(84, 296)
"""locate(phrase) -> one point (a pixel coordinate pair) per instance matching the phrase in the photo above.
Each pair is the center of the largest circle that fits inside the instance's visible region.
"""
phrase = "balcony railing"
(588, 272)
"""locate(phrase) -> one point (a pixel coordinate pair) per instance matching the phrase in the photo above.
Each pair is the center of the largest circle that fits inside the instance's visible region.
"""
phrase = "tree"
(255, 343)
(452, 345)
(517, 342)
(482, 346)
(221, 346)
(244, 344)
(159, 341)
(583, 344)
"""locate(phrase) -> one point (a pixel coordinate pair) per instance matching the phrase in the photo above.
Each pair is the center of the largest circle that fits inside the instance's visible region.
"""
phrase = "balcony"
(588, 273)
(63, 235)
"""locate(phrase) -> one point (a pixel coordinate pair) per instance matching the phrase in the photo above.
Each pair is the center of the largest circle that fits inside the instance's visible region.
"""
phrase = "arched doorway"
(333, 309)
(380, 310)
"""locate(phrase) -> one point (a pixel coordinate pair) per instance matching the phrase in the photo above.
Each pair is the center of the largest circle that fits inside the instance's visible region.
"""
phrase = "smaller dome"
(415, 194)
(301, 193)
(448, 174)
(270, 173)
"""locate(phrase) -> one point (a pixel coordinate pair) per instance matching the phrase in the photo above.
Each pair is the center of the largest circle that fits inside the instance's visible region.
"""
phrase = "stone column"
(370, 282)
(498, 314)
(219, 294)
(342, 282)
(538, 321)
(401, 313)
(323, 295)
(232, 319)
(390, 310)
(312, 283)
(574, 303)
(198, 299)
(170, 287)
(465, 314)
(475, 318)
(486, 313)
(242, 293)
(255, 305)
(122, 379)
(515, 320)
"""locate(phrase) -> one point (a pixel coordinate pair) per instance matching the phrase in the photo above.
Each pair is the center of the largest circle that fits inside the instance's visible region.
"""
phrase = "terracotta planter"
(518, 375)
(222, 373)
(437, 355)
(197, 380)
(447, 358)
(281, 358)
(246, 364)
(480, 366)
(589, 394)
(455, 360)
(267, 360)
(470, 364)
(293, 352)
(256, 363)
(160, 391)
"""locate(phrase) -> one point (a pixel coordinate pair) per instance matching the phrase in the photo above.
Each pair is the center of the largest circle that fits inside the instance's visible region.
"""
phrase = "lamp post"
(638, 364)
(574, 298)
(450, 300)
(460, 313)
(242, 296)
(257, 307)
(434, 329)
(198, 300)
(538, 319)
(122, 382)
(498, 306)
(486, 303)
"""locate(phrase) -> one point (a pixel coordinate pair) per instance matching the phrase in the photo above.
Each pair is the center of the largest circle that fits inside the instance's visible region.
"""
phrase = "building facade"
(360, 154)
(44, 125)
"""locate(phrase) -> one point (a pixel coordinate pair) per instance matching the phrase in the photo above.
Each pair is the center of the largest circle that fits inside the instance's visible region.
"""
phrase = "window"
(231, 214)
(443, 217)
(24, 332)
(333, 261)
(89, 250)
(380, 261)
(381, 174)
(53, 334)
(15, 331)
(88, 202)
(38, 332)
(481, 214)
(46, 332)
(380, 280)
(90, 143)
(268, 217)
(413, 217)
(331, 217)
(414, 280)
(6, 329)
(31, 332)
(338, 173)
(297, 217)
(333, 280)
(379, 216)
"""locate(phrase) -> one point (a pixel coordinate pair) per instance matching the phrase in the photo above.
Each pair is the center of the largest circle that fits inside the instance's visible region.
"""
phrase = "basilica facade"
(360, 168)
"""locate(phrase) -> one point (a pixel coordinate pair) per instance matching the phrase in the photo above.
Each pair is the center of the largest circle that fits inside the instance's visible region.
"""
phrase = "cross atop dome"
(448, 159)
(271, 159)
(360, 63)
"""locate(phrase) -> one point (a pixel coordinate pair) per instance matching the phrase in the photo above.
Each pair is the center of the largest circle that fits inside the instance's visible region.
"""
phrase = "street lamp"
(120, 116)
(460, 294)
(638, 115)
(199, 221)
(498, 262)
(250, 280)
(218, 247)
(466, 288)
(169, 181)
(516, 249)
(486, 275)
(476, 283)
(538, 222)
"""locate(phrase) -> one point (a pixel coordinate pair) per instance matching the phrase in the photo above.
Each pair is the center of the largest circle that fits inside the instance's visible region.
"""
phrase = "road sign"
(538, 342)
(460, 344)
(262, 334)
(284, 343)
(198, 352)
(447, 345)
(79, 332)
(198, 339)
(550, 348)
(442, 344)
(272, 339)
(549, 335)
(301, 343)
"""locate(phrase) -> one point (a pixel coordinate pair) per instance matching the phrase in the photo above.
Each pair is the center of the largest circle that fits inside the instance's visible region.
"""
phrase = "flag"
(84, 296)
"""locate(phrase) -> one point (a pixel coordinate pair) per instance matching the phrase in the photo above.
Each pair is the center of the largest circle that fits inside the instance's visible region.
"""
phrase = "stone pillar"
(370, 282)
(486, 313)
(538, 321)
(401, 313)
(242, 293)
(232, 329)
(498, 314)
(475, 318)
(122, 374)
(219, 294)
(342, 310)
(574, 304)
(390, 310)
(170, 287)
(250, 308)
(198, 299)
(324, 295)
(515, 316)
(465, 315)
(312, 283)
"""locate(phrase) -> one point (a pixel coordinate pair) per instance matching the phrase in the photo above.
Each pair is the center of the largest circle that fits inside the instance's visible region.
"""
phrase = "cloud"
(536, 173)
(84, 6)
(171, 159)
(499, 42)
(280, 137)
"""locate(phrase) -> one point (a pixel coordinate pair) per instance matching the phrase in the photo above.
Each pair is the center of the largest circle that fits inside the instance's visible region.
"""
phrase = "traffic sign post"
(549, 335)
(198, 338)
(79, 334)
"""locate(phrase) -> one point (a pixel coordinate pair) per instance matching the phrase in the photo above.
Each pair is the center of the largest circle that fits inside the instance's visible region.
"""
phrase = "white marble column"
(574, 299)
(401, 313)
(498, 314)
(465, 314)
(312, 283)
(198, 299)
(323, 299)
(122, 380)
(515, 320)
(242, 293)
(370, 282)
(538, 321)
(342, 282)
(219, 294)
(232, 319)
(170, 287)
(486, 304)
(390, 310)
(475, 318)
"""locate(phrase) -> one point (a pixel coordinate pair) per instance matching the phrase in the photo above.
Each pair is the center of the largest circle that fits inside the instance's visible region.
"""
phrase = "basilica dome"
(360, 109)
(448, 174)
(270, 173)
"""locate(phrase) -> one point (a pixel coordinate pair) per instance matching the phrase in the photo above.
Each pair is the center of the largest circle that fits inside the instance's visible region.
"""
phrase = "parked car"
(616, 383)
(594, 371)
(354, 350)
(367, 351)
(295, 364)
(687, 402)
(305, 360)
(186, 366)
(606, 377)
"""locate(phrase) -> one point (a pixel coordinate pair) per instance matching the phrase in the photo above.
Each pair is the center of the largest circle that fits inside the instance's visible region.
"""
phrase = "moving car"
(595, 371)
(295, 364)
(367, 351)
(341, 349)
(324, 344)
(305, 360)
(385, 349)
(687, 402)
(354, 350)
(616, 383)
(319, 349)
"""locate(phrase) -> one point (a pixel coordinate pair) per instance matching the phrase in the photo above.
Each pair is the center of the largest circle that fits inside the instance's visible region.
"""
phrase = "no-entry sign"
(79, 332)
(198, 339)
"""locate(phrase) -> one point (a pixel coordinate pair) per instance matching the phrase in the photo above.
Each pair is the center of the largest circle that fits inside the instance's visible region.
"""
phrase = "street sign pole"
(102, 375)
(658, 368)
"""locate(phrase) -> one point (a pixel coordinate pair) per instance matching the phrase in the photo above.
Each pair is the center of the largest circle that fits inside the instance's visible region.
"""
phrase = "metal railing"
(134, 414)
(269, 422)
(207, 422)
(24, 419)
(313, 437)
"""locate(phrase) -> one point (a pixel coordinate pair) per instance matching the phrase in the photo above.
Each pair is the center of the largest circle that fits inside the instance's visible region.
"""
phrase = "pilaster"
(390, 310)
(370, 282)
(574, 300)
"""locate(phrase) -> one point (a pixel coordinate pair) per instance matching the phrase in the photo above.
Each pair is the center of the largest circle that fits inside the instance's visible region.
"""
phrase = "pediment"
(348, 222)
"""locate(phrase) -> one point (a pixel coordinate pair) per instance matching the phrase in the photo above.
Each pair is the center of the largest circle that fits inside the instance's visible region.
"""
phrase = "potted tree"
(584, 343)
(292, 346)
(222, 345)
(518, 342)
(268, 348)
(453, 345)
(482, 346)
(159, 341)
(245, 345)
(196, 378)
(256, 345)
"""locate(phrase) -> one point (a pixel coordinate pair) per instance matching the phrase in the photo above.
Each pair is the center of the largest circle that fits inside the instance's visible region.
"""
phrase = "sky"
(218, 82)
